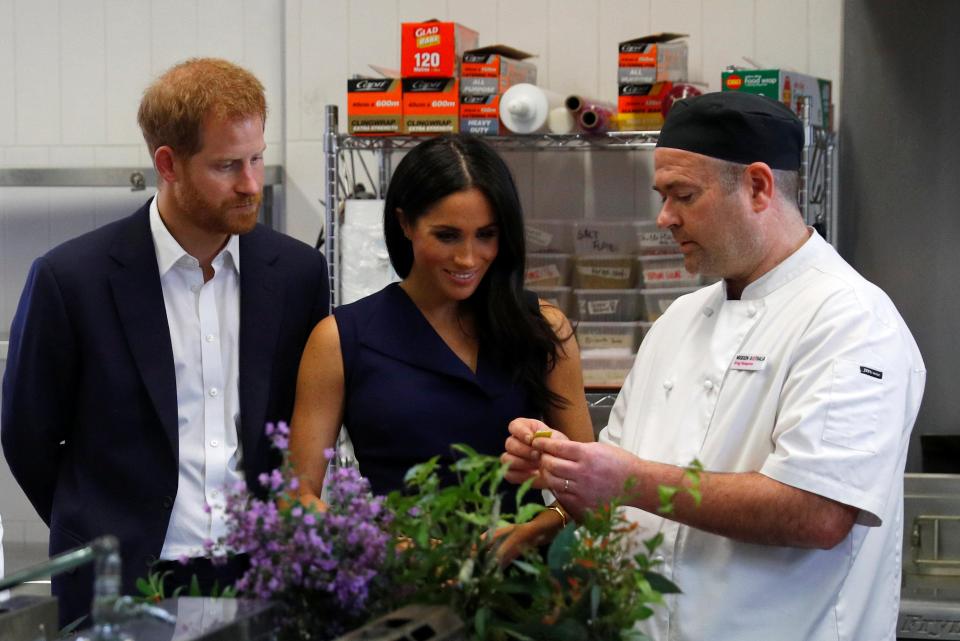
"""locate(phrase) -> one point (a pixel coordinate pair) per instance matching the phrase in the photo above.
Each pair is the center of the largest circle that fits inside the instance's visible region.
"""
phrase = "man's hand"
(524, 460)
(584, 476)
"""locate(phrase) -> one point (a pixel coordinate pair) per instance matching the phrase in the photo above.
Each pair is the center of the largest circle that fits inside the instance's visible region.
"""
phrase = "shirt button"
(751, 311)
(214, 443)
(708, 385)
(210, 338)
(214, 391)
(668, 385)
(708, 311)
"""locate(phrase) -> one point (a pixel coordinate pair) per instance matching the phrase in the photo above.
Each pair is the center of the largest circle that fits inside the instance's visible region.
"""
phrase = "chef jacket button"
(167, 502)
(708, 311)
(668, 385)
(751, 311)
(708, 385)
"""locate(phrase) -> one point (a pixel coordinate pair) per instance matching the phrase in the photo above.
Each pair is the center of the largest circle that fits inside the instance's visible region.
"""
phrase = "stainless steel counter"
(930, 594)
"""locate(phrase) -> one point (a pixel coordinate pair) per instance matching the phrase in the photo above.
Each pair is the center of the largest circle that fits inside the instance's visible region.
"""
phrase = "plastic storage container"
(652, 240)
(609, 304)
(548, 270)
(601, 335)
(656, 301)
(560, 297)
(555, 236)
(614, 271)
(665, 270)
(606, 367)
(604, 237)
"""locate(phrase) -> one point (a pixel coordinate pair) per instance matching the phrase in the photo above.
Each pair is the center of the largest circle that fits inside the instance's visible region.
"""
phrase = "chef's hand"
(524, 460)
(584, 476)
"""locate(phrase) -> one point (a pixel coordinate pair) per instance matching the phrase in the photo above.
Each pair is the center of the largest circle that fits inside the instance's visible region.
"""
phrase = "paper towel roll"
(524, 108)
(364, 263)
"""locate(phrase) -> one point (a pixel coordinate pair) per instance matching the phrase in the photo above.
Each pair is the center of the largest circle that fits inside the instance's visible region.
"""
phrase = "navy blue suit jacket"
(89, 420)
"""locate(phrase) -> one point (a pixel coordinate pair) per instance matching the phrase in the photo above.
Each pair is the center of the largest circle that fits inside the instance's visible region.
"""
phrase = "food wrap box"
(787, 87)
(433, 49)
(654, 58)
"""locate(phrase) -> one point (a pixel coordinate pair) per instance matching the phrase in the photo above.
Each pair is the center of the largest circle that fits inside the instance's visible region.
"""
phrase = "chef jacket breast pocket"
(855, 406)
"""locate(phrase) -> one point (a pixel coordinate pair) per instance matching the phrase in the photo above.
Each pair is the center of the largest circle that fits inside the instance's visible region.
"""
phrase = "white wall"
(72, 71)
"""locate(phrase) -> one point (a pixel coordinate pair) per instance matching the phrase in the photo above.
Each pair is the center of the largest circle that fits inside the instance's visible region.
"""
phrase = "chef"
(793, 381)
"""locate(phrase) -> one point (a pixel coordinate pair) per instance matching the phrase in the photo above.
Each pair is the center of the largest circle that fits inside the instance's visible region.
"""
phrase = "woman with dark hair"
(453, 352)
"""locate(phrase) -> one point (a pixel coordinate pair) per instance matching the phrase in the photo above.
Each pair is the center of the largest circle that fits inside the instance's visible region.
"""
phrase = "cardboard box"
(374, 106)
(431, 105)
(480, 115)
(655, 58)
(433, 49)
(787, 87)
(643, 99)
(493, 70)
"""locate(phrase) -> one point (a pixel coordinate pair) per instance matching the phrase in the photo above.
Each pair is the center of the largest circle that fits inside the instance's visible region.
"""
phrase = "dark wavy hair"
(509, 325)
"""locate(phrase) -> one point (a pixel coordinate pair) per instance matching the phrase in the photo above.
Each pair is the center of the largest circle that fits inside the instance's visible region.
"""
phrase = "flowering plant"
(323, 568)
(435, 543)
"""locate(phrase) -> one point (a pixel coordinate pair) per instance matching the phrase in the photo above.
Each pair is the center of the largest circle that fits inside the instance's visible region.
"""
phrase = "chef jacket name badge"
(749, 362)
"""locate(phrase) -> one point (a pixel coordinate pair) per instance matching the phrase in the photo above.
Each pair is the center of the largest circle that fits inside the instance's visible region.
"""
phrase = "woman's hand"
(514, 540)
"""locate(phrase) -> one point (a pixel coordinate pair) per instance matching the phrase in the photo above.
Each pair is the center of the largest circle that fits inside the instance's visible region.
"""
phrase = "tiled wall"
(72, 71)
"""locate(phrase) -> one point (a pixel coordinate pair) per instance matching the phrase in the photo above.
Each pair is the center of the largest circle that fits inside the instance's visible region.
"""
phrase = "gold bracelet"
(563, 517)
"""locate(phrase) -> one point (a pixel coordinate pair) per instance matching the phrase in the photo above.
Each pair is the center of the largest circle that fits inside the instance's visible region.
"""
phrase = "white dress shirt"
(814, 380)
(204, 323)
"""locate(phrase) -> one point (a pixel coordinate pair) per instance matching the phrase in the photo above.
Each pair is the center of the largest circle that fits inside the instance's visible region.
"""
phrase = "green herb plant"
(592, 584)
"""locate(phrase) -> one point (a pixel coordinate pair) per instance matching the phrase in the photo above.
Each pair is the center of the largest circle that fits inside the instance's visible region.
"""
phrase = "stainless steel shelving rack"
(818, 169)
(817, 195)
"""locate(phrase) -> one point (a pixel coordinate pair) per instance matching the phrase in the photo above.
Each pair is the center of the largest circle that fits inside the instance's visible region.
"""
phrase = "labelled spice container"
(614, 271)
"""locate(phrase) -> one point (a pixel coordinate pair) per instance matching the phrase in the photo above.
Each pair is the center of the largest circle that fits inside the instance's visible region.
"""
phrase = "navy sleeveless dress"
(408, 397)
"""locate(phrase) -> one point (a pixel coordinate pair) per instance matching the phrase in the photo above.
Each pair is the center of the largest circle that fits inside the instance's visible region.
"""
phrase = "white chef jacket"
(812, 379)
(204, 323)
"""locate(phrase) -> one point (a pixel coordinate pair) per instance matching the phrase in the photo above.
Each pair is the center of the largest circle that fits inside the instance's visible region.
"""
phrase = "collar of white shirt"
(796, 263)
(169, 251)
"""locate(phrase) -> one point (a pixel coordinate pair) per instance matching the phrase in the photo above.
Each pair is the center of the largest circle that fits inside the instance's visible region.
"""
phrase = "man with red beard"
(146, 356)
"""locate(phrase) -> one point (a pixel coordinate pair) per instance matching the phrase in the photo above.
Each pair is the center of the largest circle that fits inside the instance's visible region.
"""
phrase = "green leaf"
(528, 511)
(661, 584)
(594, 602)
(194, 586)
(666, 493)
(529, 568)
(561, 550)
(467, 451)
(695, 493)
(471, 517)
(653, 542)
(523, 489)
(145, 588)
(480, 620)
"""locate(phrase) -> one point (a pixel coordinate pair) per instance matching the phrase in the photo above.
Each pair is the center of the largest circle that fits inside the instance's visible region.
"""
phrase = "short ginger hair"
(176, 104)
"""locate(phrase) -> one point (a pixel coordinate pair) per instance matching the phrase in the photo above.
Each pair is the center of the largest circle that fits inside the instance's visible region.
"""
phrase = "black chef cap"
(735, 126)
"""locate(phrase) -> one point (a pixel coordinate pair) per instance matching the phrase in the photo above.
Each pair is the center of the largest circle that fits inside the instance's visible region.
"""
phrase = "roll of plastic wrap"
(577, 104)
(364, 263)
(561, 121)
(596, 118)
(525, 108)
(679, 91)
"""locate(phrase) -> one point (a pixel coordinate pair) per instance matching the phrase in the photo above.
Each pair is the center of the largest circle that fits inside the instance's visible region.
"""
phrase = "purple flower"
(338, 553)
